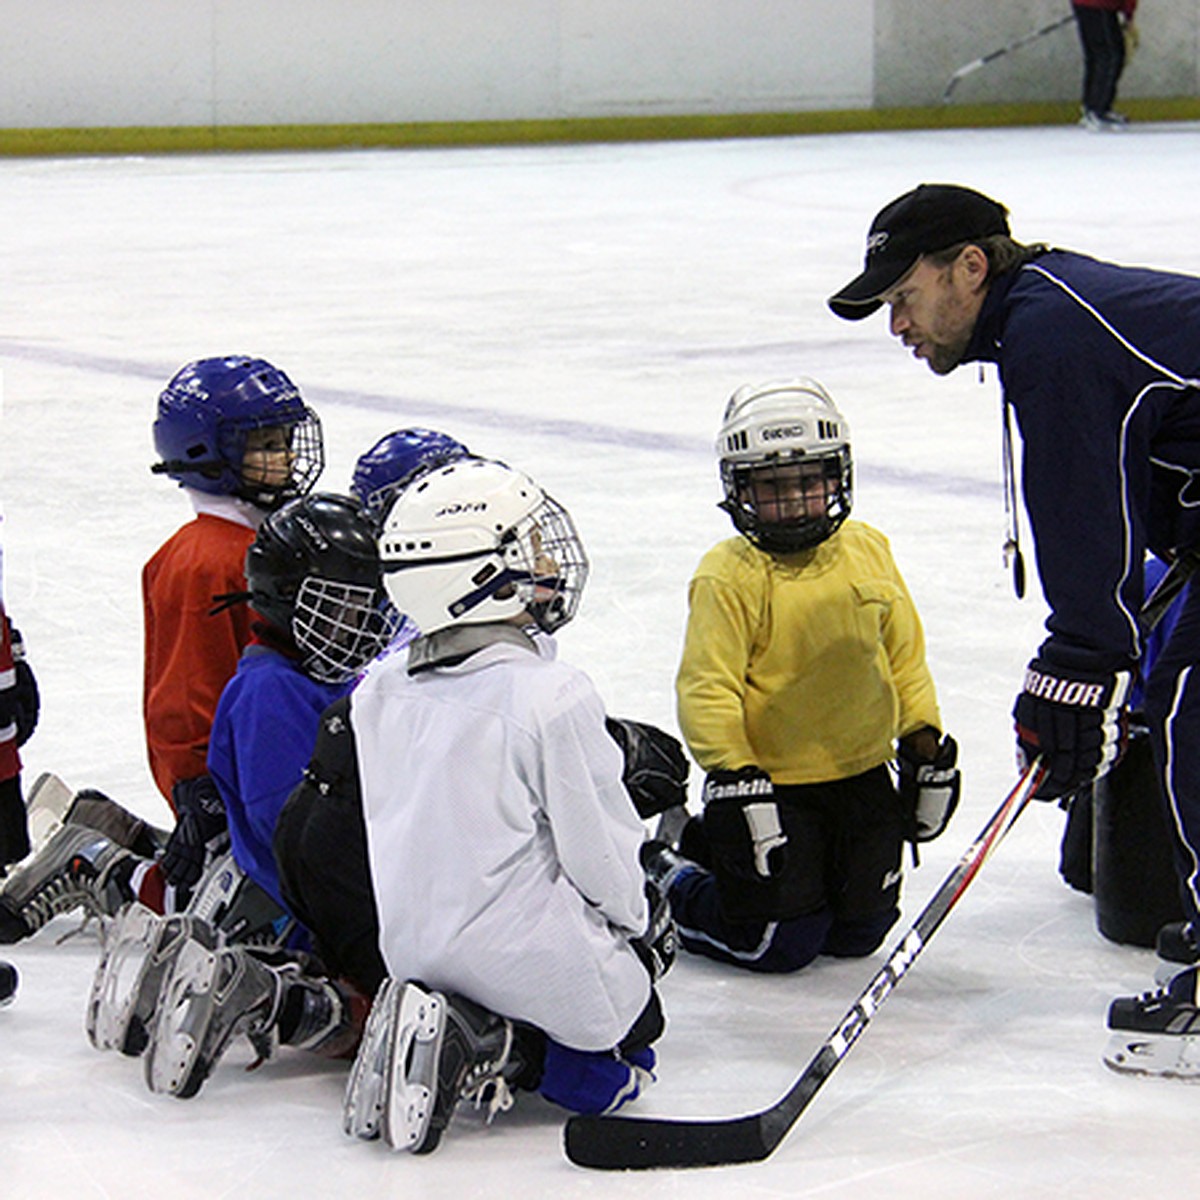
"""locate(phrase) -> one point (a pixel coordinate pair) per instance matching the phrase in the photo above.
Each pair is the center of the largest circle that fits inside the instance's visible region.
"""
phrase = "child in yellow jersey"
(803, 675)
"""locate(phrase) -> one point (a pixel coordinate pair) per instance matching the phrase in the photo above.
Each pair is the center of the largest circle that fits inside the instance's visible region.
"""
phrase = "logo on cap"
(876, 242)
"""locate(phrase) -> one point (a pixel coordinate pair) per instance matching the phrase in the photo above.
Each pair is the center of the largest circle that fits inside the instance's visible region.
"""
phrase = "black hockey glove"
(656, 770)
(1073, 717)
(742, 821)
(19, 702)
(928, 789)
(201, 830)
(14, 827)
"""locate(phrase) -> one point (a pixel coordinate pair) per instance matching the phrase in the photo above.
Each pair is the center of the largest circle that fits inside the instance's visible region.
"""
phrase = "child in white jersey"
(503, 847)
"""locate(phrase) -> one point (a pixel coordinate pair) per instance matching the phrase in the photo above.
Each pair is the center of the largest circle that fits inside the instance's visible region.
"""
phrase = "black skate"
(1158, 1033)
(73, 870)
(422, 1053)
(1177, 943)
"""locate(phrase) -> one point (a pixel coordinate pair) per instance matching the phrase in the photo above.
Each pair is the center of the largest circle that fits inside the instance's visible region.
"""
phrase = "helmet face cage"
(786, 466)
(544, 557)
(787, 504)
(270, 470)
(313, 572)
(340, 627)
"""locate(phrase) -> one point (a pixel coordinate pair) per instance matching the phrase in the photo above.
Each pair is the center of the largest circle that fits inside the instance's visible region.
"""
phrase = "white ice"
(581, 312)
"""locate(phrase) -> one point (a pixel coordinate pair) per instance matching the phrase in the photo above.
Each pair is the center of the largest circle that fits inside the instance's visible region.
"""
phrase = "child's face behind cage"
(782, 492)
(267, 459)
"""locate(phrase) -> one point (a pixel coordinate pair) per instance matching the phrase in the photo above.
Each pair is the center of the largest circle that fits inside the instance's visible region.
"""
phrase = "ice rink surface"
(582, 312)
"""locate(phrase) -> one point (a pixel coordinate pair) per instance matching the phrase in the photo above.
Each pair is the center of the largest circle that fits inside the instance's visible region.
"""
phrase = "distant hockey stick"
(638, 1143)
(1169, 587)
(995, 54)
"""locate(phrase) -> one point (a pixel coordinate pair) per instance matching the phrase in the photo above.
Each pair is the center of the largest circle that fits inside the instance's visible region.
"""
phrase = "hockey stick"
(995, 54)
(638, 1143)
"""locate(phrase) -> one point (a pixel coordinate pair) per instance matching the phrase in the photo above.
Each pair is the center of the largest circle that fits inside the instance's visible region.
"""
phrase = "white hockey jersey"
(503, 846)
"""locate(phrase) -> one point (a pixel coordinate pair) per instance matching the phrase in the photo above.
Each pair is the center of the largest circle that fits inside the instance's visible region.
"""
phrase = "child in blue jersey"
(313, 576)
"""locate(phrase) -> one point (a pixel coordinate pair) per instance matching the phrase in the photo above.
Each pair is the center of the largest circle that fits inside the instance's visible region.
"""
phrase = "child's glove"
(201, 830)
(742, 822)
(929, 789)
(656, 770)
(20, 703)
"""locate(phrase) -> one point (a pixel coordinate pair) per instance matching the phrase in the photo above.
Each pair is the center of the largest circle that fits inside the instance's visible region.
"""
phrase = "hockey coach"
(1101, 365)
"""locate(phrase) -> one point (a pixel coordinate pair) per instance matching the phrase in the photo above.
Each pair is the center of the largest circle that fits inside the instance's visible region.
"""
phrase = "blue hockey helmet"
(215, 409)
(397, 459)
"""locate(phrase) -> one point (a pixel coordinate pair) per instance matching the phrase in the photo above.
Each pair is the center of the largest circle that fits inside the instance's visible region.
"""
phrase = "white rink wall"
(79, 64)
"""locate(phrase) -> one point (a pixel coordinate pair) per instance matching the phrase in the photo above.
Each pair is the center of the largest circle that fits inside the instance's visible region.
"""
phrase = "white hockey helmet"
(477, 541)
(781, 439)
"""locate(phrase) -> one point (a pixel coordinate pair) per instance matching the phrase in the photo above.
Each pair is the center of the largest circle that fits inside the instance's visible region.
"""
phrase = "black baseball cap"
(931, 217)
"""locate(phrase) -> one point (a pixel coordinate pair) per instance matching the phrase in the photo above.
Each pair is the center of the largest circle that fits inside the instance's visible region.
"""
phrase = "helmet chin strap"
(499, 581)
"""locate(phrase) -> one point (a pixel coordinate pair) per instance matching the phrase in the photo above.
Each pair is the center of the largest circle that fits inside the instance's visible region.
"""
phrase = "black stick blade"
(639, 1144)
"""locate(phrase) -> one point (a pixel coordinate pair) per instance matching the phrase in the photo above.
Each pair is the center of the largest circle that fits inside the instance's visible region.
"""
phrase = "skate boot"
(423, 1052)
(209, 996)
(97, 811)
(242, 912)
(77, 867)
(1177, 943)
(140, 947)
(663, 864)
(1158, 1033)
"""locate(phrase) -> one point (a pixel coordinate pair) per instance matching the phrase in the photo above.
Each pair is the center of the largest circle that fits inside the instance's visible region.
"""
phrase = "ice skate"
(140, 948)
(663, 864)
(75, 869)
(370, 1078)
(100, 812)
(1158, 1033)
(446, 1049)
(209, 996)
(239, 910)
(367, 1087)
(1176, 943)
(46, 806)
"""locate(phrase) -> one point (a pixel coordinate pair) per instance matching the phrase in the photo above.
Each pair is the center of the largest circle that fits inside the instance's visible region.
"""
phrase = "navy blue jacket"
(1101, 364)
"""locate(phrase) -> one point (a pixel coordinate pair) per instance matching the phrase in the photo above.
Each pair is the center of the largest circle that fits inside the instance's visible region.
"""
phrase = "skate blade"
(414, 1065)
(1166, 1056)
(362, 1105)
(118, 975)
(183, 1006)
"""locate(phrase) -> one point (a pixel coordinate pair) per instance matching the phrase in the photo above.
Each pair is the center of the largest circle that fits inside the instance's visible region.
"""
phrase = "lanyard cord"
(1012, 542)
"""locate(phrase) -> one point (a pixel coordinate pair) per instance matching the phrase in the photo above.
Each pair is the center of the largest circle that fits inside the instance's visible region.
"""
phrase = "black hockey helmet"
(313, 571)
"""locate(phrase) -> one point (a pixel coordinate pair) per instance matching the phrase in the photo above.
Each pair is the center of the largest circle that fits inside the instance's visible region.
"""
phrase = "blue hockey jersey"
(262, 738)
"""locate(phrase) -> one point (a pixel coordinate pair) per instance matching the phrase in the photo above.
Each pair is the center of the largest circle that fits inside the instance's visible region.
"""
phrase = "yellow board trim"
(189, 139)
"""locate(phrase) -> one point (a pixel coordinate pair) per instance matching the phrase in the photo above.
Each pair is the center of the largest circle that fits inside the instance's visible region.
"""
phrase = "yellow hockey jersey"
(807, 665)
